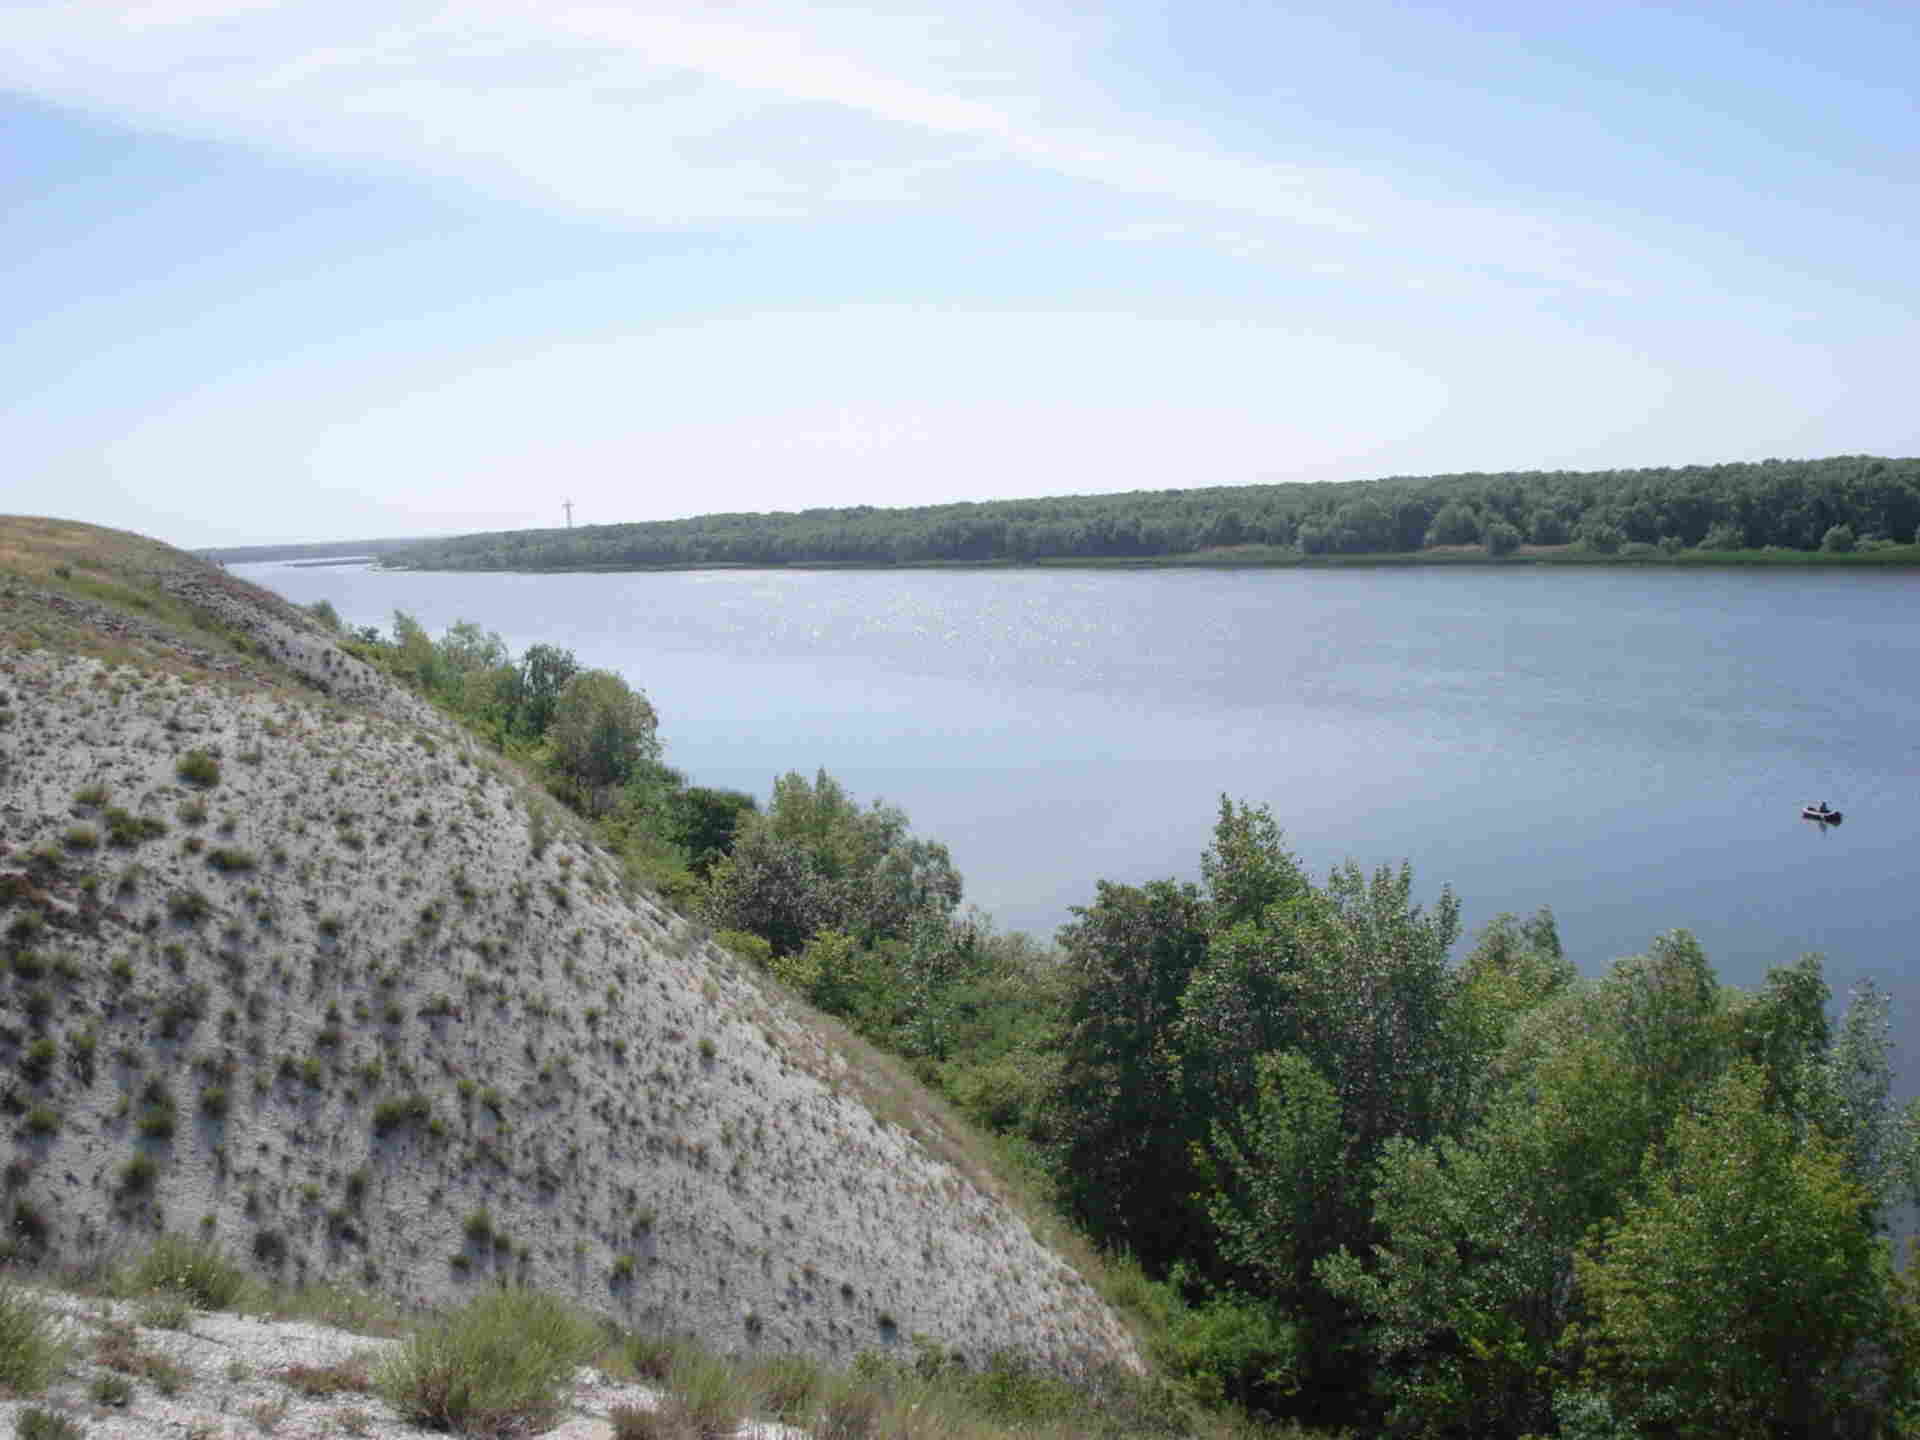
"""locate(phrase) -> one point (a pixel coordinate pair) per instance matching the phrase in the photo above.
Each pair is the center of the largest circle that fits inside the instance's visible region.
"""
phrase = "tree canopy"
(1370, 1184)
(1835, 504)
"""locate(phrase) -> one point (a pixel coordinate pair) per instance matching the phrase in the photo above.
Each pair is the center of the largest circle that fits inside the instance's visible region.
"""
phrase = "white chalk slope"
(371, 1008)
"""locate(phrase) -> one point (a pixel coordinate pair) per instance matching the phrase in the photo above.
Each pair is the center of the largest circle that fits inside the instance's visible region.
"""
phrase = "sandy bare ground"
(230, 1376)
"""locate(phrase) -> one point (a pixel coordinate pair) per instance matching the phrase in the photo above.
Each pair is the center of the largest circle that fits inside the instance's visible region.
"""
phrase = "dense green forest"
(1362, 1179)
(1836, 506)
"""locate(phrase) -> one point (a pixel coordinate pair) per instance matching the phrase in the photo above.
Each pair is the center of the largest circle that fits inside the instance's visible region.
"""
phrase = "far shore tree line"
(1835, 506)
(1364, 1182)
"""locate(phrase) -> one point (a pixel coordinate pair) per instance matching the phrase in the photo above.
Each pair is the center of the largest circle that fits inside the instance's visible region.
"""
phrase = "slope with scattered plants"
(298, 966)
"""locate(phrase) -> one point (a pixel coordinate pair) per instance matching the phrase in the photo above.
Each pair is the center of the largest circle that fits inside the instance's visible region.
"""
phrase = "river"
(1631, 747)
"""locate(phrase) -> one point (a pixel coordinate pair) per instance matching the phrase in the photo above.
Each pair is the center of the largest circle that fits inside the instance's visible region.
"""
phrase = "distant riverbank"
(1274, 557)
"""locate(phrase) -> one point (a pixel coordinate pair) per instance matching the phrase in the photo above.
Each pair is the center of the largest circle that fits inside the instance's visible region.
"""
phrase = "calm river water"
(1629, 747)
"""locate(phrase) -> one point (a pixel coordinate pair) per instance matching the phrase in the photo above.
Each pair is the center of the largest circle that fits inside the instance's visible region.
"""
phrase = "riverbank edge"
(1266, 557)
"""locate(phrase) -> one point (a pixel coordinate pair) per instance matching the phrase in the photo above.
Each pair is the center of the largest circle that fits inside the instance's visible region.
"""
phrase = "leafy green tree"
(936, 961)
(1774, 502)
(1125, 1130)
(1514, 969)
(1730, 1299)
(705, 821)
(1465, 1299)
(1293, 1163)
(829, 971)
(1470, 1288)
(1355, 977)
(770, 887)
(601, 731)
(1310, 1037)
(543, 675)
(466, 649)
(1600, 535)
(1456, 524)
(1502, 538)
(1467, 1280)
(414, 654)
(865, 870)
(1363, 526)
(474, 675)
(1839, 540)
(1247, 868)
(1548, 527)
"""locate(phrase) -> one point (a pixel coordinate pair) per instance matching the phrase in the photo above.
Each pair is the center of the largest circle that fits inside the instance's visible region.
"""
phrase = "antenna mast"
(567, 505)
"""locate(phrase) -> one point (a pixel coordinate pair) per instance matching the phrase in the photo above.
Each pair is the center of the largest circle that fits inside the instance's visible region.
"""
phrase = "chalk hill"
(293, 961)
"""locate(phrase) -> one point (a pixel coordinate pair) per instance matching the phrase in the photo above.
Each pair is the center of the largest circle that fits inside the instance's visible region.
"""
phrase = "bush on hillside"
(197, 767)
(498, 1366)
(29, 1354)
(202, 1273)
(37, 1424)
(600, 732)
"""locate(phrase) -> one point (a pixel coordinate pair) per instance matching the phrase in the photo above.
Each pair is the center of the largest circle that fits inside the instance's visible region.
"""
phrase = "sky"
(300, 271)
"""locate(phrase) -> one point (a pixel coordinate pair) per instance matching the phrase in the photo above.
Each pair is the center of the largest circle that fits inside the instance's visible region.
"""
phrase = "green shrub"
(112, 1390)
(161, 1115)
(230, 861)
(850, 1409)
(189, 906)
(29, 1354)
(652, 1356)
(349, 1376)
(705, 1394)
(82, 1049)
(200, 1272)
(392, 1113)
(36, 1061)
(787, 1387)
(126, 830)
(748, 947)
(1234, 1347)
(169, 1311)
(499, 1366)
(138, 1175)
(197, 767)
(37, 1424)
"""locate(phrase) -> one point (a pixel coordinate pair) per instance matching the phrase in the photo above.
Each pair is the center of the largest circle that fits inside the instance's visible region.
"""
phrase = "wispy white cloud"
(683, 115)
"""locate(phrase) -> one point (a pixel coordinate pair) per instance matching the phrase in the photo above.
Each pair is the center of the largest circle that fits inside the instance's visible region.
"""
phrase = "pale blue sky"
(376, 267)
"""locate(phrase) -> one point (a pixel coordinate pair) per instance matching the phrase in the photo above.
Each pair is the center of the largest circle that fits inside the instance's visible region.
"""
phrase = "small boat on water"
(1821, 813)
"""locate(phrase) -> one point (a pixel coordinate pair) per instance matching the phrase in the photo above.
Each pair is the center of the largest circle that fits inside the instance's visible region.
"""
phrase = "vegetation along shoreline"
(404, 963)
(1845, 510)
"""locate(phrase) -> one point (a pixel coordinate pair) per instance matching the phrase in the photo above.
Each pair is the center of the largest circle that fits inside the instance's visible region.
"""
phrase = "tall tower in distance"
(567, 505)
